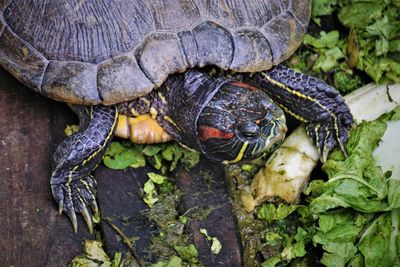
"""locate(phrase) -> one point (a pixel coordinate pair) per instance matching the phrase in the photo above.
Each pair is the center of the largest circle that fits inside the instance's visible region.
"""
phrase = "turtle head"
(240, 122)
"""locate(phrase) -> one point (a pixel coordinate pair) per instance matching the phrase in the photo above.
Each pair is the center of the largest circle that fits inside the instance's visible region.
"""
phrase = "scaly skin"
(76, 157)
(312, 101)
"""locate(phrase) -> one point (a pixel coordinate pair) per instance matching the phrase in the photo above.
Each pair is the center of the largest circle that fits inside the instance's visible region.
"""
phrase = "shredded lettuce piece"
(95, 256)
(373, 45)
(163, 157)
(270, 212)
(216, 245)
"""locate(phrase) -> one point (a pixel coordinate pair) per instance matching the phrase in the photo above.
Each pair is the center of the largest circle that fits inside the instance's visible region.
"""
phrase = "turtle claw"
(60, 207)
(343, 149)
(74, 221)
(328, 134)
(88, 219)
(75, 196)
(95, 208)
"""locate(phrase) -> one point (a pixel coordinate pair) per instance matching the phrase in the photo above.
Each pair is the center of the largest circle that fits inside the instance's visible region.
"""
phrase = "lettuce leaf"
(358, 208)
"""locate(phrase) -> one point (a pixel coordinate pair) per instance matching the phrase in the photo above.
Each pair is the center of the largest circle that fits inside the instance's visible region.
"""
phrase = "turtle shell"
(110, 51)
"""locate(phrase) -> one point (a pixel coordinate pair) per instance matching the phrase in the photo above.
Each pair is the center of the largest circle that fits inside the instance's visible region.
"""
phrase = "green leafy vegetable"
(174, 261)
(156, 178)
(368, 237)
(71, 129)
(356, 181)
(270, 212)
(377, 244)
(149, 189)
(187, 253)
(216, 246)
(163, 157)
(322, 8)
(359, 14)
(353, 217)
(293, 246)
(373, 45)
(326, 40)
(119, 156)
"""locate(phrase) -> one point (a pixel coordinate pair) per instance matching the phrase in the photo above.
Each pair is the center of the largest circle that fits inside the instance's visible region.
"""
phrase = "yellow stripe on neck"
(239, 156)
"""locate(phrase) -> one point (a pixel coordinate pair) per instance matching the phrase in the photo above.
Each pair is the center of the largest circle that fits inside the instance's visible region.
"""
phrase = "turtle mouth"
(275, 137)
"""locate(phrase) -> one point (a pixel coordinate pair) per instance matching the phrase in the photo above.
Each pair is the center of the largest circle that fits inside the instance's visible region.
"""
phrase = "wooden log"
(32, 233)
(204, 188)
(121, 203)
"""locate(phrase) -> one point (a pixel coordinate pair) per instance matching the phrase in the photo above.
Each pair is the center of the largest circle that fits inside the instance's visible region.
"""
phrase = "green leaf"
(328, 59)
(324, 203)
(394, 194)
(151, 150)
(355, 181)
(356, 261)
(272, 261)
(120, 157)
(71, 129)
(150, 193)
(359, 14)
(156, 178)
(346, 82)
(187, 253)
(216, 245)
(326, 40)
(190, 158)
(174, 261)
(294, 250)
(270, 212)
(93, 254)
(338, 254)
(322, 7)
(376, 245)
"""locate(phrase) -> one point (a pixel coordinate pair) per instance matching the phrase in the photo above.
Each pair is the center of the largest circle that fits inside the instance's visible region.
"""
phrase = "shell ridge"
(271, 51)
(6, 4)
(42, 78)
(233, 46)
(186, 63)
(2, 24)
(183, 49)
(139, 61)
(290, 12)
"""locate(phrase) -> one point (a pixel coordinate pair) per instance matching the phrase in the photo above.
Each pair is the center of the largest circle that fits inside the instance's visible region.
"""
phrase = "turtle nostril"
(249, 130)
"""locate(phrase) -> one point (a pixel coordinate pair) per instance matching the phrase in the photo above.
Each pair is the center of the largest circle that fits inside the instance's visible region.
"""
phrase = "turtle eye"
(249, 130)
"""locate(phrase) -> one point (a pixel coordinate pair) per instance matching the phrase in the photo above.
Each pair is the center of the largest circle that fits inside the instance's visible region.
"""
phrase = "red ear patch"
(244, 85)
(206, 132)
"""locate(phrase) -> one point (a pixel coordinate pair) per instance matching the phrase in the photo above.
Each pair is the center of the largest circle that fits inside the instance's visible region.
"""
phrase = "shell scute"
(161, 55)
(21, 59)
(71, 82)
(121, 77)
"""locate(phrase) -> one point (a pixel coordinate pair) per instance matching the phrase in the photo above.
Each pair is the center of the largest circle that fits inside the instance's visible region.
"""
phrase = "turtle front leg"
(312, 101)
(72, 185)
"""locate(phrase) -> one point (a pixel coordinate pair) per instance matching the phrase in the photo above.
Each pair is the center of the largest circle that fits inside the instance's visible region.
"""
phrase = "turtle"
(138, 69)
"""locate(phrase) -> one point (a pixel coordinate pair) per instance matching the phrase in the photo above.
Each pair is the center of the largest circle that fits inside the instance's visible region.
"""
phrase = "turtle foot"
(76, 196)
